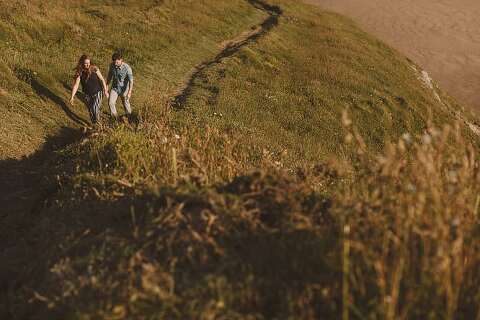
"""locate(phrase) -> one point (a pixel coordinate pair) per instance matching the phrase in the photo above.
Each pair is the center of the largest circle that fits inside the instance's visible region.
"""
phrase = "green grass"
(162, 42)
(234, 204)
(287, 92)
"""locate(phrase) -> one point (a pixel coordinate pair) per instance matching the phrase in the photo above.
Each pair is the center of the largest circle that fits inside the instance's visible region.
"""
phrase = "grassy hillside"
(41, 44)
(287, 92)
(285, 165)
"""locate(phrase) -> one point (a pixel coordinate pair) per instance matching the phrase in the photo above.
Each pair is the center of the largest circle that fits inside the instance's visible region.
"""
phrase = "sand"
(442, 36)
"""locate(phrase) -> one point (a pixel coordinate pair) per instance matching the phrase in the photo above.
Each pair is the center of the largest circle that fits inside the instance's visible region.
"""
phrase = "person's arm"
(104, 84)
(76, 84)
(130, 82)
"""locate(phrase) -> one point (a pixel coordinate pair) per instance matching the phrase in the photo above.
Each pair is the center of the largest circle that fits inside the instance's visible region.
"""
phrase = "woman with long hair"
(93, 85)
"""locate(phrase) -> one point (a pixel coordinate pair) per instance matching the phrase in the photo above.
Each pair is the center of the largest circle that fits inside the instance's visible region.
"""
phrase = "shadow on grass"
(43, 91)
(24, 185)
(30, 77)
(17, 175)
(104, 235)
(80, 95)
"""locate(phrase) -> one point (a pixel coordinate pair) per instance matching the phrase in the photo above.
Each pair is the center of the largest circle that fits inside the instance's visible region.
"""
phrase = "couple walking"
(94, 86)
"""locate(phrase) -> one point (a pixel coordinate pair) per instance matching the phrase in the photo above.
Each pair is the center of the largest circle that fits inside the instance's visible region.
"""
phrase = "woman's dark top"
(91, 85)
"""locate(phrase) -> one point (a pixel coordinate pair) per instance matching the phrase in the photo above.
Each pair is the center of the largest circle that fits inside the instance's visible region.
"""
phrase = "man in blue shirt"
(121, 77)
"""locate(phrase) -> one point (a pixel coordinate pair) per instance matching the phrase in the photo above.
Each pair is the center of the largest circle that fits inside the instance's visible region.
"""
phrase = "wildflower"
(452, 176)
(455, 222)
(411, 188)
(325, 292)
(407, 137)
(347, 122)
(349, 138)
(426, 139)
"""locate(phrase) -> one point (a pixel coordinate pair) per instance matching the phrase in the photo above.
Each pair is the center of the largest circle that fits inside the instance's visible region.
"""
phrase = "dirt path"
(442, 36)
(229, 48)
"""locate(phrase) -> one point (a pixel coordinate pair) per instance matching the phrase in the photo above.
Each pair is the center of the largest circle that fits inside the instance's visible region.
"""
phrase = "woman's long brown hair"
(79, 69)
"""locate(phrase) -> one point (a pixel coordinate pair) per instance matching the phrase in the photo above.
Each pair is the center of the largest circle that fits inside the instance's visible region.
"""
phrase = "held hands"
(107, 94)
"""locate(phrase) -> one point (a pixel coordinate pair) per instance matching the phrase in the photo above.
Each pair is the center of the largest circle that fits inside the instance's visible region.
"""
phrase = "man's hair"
(117, 56)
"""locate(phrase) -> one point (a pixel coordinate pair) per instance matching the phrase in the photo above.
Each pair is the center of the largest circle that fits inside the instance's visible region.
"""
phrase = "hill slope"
(41, 45)
(164, 218)
(288, 91)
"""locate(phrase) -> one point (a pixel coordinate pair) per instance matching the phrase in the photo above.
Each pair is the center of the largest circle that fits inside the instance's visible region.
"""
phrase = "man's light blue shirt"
(121, 77)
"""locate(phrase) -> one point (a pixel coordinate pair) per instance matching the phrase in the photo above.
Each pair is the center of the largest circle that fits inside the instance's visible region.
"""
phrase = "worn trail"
(230, 48)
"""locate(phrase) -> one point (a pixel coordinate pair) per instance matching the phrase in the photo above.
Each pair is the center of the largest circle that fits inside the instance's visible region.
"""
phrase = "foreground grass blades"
(272, 245)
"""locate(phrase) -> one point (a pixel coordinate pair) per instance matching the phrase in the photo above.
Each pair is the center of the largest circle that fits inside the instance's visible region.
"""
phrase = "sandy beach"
(442, 36)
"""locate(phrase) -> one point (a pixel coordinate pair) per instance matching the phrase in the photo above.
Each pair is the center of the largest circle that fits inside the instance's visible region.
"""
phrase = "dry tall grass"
(413, 220)
(393, 237)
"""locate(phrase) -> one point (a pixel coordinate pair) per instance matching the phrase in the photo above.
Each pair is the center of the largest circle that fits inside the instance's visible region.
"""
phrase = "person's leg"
(96, 105)
(112, 101)
(89, 102)
(126, 105)
(126, 102)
